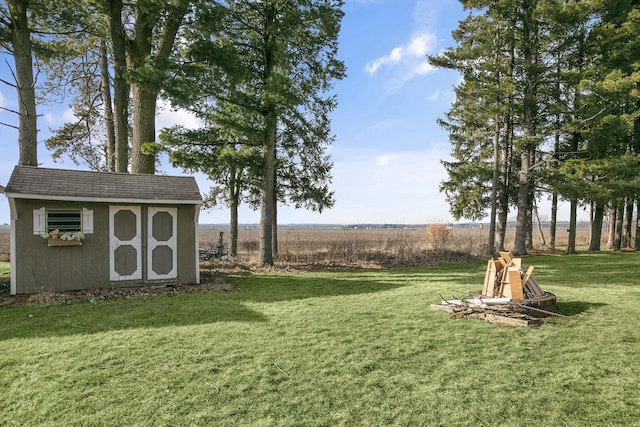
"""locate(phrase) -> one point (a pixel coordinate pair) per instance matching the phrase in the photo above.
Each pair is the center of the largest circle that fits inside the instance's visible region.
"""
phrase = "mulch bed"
(209, 283)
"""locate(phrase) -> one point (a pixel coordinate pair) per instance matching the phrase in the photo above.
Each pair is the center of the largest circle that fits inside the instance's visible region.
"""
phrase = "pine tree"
(263, 70)
(15, 38)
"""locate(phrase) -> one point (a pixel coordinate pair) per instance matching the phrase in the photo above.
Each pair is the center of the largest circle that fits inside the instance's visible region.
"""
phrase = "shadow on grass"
(276, 288)
(176, 310)
(573, 308)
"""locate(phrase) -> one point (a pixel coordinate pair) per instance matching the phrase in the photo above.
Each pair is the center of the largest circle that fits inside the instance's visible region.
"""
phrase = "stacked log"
(507, 277)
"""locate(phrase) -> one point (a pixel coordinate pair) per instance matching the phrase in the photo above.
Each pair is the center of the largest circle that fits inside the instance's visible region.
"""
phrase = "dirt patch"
(372, 261)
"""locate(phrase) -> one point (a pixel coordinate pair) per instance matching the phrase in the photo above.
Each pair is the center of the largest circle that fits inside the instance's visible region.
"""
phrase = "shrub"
(438, 235)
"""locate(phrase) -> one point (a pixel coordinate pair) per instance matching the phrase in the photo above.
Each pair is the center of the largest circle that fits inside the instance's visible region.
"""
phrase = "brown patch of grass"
(335, 249)
(359, 248)
(340, 249)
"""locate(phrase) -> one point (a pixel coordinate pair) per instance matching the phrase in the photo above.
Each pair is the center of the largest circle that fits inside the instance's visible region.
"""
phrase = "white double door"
(127, 240)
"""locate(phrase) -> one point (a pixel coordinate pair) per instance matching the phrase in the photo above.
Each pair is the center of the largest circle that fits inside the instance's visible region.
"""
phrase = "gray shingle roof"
(62, 184)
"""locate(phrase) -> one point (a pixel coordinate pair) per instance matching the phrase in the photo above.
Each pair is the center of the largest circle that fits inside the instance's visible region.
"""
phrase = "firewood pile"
(510, 296)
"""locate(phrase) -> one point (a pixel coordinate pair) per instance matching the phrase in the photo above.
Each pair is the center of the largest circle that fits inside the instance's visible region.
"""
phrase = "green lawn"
(332, 349)
(4, 269)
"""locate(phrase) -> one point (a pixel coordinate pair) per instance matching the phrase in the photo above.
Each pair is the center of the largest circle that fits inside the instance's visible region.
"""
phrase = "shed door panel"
(162, 256)
(125, 242)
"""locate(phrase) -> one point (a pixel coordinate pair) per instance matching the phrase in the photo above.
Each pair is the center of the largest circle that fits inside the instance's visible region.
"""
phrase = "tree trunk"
(234, 202)
(265, 255)
(267, 192)
(553, 224)
(573, 221)
(529, 37)
(596, 227)
(520, 245)
(636, 246)
(501, 223)
(617, 239)
(25, 85)
(143, 56)
(505, 170)
(144, 129)
(543, 242)
(274, 228)
(613, 214)
(105, 85)
(233, 227)
(491, 244)
(144, 93)
(529, 240)
(120, 87)
(627, 224)
(506, 151)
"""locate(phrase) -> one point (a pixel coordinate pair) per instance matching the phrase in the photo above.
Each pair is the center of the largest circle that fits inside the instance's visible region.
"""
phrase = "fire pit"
(510, 296)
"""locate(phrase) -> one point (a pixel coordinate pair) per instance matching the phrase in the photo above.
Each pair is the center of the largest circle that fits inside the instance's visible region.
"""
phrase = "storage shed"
(73, 229)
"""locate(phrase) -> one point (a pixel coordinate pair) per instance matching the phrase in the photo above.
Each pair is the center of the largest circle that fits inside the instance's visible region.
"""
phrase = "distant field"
(325, 245)
(303, 245)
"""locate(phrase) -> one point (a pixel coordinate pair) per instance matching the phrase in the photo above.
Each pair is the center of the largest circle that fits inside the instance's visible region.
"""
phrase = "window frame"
(64, 220)
(41, 221)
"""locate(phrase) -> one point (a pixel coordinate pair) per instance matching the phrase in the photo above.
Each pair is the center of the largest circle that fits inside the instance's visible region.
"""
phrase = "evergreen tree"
(15, 38)
(600, 112)
(232, 164)
(565, 90)
(481, 120)
(263, 70)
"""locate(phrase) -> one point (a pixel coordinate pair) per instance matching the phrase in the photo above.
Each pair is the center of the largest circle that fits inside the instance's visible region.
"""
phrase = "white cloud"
(398, 186)
(387, 159)
(421, 45)
(374, 65)
(410, 55)
(423, 68)
(438, 95)
(167, 117)
(57, 118)
(373, 187)
(68, 115)
(1, 100)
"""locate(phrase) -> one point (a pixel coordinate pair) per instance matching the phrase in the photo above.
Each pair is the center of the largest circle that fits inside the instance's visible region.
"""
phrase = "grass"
(4, 269)
(353, 348)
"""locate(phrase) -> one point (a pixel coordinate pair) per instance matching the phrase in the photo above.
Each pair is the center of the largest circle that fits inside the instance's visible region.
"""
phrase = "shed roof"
(30, 182)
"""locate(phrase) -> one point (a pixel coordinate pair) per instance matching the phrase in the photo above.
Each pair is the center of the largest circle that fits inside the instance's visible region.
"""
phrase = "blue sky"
(388, 145)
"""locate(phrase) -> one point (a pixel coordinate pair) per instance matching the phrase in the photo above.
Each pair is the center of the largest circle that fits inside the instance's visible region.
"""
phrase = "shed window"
(64, 221)
(71, 221)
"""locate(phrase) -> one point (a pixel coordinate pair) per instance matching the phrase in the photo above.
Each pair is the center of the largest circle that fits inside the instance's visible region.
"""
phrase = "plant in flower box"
(68, 238)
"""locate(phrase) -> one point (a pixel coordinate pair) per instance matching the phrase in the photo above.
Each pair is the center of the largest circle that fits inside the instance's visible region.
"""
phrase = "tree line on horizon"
(258, 74)
(548, 106)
